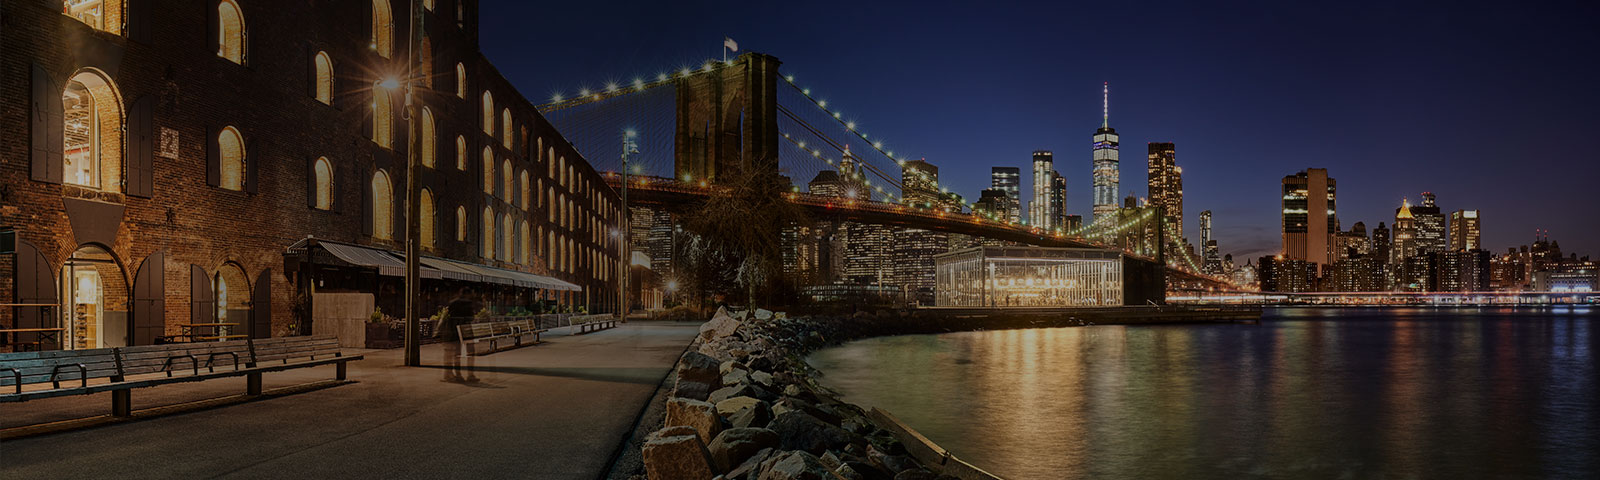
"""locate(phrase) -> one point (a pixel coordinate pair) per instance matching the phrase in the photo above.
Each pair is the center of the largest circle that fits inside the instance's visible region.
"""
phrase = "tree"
(739, 228)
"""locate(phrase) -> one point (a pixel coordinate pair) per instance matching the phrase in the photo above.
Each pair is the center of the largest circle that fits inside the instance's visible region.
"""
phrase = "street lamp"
(413, 340)
(630, 146)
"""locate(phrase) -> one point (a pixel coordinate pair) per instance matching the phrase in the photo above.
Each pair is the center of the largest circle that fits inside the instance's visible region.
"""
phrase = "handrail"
(166, 366)
(16, 378)
(83, 374)
(211, 361)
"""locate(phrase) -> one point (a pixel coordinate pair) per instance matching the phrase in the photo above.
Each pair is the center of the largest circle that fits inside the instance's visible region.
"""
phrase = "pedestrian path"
(555, 410)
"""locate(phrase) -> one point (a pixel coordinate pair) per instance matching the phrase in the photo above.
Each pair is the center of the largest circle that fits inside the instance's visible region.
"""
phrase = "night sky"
(1490, 106)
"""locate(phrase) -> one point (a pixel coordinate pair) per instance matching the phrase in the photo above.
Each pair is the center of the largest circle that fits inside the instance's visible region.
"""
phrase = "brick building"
(162, 158)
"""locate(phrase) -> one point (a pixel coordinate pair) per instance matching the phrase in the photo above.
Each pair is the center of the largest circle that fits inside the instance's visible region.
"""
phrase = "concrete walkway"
(556, 410)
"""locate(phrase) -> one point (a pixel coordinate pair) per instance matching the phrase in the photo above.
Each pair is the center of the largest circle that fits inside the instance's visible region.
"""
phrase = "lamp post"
(630, 146)
(413, 342)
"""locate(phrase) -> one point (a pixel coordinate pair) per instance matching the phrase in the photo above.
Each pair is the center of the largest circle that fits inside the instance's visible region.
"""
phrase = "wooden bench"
(593, 323)
(514, 333)
(38, 375)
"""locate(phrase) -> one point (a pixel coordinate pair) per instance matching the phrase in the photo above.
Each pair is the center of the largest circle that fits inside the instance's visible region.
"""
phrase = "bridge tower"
(728, 119)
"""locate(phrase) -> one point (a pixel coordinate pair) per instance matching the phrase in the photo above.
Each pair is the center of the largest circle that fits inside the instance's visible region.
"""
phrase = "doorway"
(95, 300)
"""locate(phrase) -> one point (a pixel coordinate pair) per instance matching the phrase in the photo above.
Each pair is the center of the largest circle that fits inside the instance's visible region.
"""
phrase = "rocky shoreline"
(743, 404)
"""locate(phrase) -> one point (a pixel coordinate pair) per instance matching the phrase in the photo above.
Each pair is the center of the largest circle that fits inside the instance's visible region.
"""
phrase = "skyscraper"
(1464, 232)
(1166, 183)
(1208, 246)
(1382, 243)
(1405, 234)
(1309, 216)
(1008, 180)
(1058, 202)
(1039, 213)
(1105, 161)
(919, 182)
(1430, 226)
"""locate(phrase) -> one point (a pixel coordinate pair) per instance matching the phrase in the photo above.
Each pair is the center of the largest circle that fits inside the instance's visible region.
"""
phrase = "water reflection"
(1310, 393)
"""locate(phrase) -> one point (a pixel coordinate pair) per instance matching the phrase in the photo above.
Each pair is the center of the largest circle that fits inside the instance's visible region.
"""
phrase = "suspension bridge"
(697, 123)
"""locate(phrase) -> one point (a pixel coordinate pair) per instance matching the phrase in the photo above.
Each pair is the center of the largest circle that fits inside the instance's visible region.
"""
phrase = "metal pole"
(629, 147)
(413, 194)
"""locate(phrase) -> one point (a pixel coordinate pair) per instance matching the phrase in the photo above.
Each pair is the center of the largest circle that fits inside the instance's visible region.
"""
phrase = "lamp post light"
(630, 146)
(413, 340)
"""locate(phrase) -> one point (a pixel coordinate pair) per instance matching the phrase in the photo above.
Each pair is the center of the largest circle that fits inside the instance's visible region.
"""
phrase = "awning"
(513, 277)
(385, 261)
(393, 264)
(451, 270)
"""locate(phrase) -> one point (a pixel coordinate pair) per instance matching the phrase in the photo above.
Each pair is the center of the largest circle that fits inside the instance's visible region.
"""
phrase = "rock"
(691, 389)
(763, 314)
(791, 404)
(863, 470)
(676, 453)
(699, 367)
(733, 405)
(744, 390)
(758, 415)
(830, 460)
(916, 474)
(761, 378)
(715, 351)
(795, 466)
(718, 327)
(751, 467)
(799, 431)
(735, 445)
(736, 377)
(897, 463)
(694, 413)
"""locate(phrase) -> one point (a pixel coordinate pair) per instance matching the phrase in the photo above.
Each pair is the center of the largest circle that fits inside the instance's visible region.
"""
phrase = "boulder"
(744, 390)
(763, 314)
(702, 416)
(758, 415)
(791, 404)
(862, 470)
(691, 389)
(718, 327)
(699, 367)
(676, 453)
(795, 466)
(751, 467)
(761, 378)
(916, 474)
(733, 405)
(800, 431)
(735, 445)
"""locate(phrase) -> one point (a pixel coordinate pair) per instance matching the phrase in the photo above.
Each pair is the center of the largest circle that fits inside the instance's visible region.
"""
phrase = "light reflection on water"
(1309, 393)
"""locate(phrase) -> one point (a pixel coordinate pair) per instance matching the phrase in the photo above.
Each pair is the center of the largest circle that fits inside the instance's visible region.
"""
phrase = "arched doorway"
(95, 300)
(232, 290)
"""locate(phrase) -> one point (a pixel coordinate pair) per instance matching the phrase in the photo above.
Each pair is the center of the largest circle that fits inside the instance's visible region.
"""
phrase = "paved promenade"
(556, 410)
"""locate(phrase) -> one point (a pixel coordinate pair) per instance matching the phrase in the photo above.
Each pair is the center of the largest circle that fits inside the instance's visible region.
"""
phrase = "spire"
(1105, 105)
(1405, 209)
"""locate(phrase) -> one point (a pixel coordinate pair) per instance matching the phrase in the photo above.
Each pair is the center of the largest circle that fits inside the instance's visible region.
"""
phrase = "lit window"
(488, 113)
(92, 132)
(427, 218)
(526, 252)
(427, 139)
(507, 229)
(428, 4)
(382, 117)
(324, 193)
(104, 15)
(488, 233)
(461, 81)
(382, 206)
(230, 32)
(324, 78)
(382, 28)
(461, 224)
(488, 171)
(461, 153)
(232, 159)
(505, 127)
(510, 181)
(526, 193)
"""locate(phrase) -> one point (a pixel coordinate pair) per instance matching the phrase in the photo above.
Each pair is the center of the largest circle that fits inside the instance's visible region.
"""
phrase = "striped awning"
(385, 261)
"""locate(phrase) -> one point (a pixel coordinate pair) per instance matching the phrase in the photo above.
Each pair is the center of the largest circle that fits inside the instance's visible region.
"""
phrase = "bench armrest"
(167, 365)
(212, 360)
(83, 374)
(16, 377)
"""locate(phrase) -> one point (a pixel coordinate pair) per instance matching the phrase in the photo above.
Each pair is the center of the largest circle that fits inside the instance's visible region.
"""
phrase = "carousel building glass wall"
(1029, 277)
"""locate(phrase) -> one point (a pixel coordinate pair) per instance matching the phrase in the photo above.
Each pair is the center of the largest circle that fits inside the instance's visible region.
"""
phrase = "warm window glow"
(105, 15)
(231, 147)
(382, 28)
(507, 229)
(461, 224)
(488, 233)
(230, 32)
(505, 127)
(324, 193)
(92, 132)
(427, 139)
(488, 171)
(382, 117)
(488, 113)
(525, 253)
(427, 218)
(461, 153)
(461, 81)
(428, 4)
(324, 78)
(510, 181)
(526, 192)
(382, 206)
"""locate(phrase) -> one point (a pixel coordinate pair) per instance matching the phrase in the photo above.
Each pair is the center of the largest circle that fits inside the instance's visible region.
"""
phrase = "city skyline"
(1245, 95)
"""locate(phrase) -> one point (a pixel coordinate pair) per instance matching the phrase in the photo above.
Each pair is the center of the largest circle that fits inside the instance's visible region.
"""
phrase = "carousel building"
(237, 161)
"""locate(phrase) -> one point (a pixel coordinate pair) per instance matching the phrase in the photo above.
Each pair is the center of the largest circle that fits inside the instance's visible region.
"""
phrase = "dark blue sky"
(1488, 105)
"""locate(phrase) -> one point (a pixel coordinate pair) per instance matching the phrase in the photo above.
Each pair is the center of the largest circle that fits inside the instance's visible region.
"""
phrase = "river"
(1308, 393)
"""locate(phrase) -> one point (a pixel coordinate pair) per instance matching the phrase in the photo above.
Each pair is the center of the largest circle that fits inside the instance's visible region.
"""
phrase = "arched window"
(324, 182)
(427, 218)
(505, 127)
(230, 31)
(427, 139)
(461, 81)
(526, 251)
(103, 15)
(550, 250)
(509, 179)
(461, 224)
(488, 171)
(382, 117)
(230, 146)
(526, 192)
(382, 206)
(488, 233)
(324, 78)
(461, 153)
(428, 4)
(382, 28)
(92, 132)
(507, 229)
(488, 112)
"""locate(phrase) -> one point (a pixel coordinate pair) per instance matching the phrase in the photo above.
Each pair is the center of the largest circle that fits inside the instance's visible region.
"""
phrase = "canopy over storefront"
(393, 264)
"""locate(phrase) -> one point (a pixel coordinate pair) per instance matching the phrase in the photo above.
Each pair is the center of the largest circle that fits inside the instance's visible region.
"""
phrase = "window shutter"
(35, 284)
(311, 72)
(149, 300)
(138, 13)
(141, 147)
(261, 306)
(311, 183)
(253, 164)
(47, 123)
(213, 157)
(368, 112)
(397, 187)
(202, 300)
(366, 205)
(213, 25)
(402, 130)
(366, 24)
